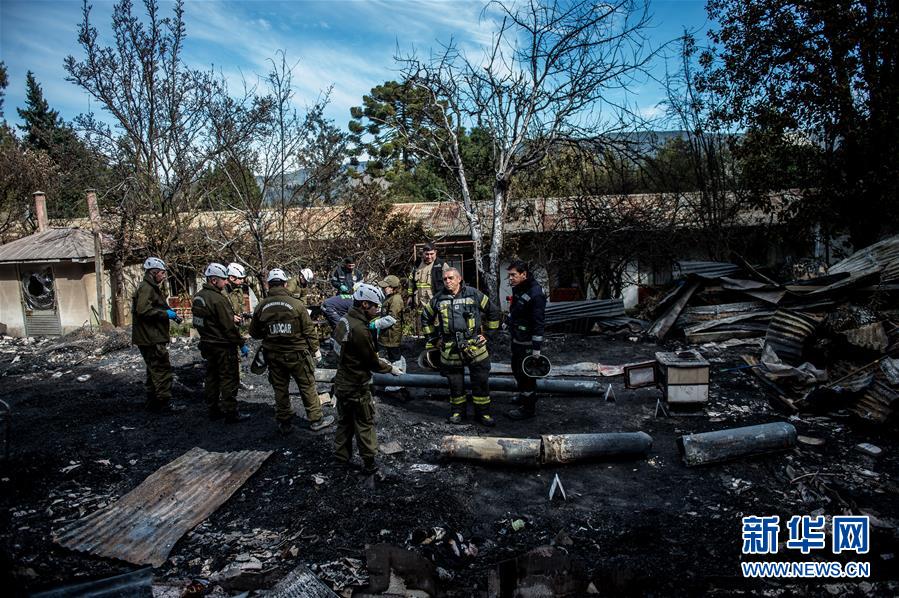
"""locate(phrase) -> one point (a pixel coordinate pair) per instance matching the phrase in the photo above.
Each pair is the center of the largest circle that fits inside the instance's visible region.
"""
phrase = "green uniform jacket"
(358, 358)
(150, 322)
(235, 298)
(283, 324)
(293, 288)
(393, 306)
(213, 317)
(447, 314)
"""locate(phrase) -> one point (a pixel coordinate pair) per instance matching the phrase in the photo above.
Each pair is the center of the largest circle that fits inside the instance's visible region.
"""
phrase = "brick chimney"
(40, 211)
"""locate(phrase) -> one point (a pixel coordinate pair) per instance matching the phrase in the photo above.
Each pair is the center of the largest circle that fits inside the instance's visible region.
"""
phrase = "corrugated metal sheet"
(704, 313)
(144, 525)
(878, 402)
(788, 333)
(51, 245)
(685, 268)
(747, 325)
(566, 311)
(882, 256)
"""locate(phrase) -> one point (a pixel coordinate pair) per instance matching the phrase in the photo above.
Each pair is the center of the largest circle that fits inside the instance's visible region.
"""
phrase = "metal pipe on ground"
(733, 443)
(554, 386)
(550, 449)
(512, 451)
(559, 449)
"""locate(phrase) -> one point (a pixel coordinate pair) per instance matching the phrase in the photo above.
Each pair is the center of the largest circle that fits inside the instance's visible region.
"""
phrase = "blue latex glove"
(244, 350)
(344, 289)
(171, 314)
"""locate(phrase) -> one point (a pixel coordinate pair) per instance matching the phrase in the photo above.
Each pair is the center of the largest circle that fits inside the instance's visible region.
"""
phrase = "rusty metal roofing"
(446, 219)
(882, 257)
(53, 244)
(788, 334)
(143, 526)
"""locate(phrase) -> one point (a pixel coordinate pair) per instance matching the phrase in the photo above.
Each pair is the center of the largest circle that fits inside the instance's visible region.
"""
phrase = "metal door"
(39, 304)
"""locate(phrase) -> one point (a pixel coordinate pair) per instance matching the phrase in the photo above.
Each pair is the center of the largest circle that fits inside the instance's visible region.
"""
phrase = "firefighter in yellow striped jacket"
(455, 322)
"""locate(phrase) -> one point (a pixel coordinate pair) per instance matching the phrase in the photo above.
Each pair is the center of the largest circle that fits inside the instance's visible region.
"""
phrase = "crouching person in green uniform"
(220, 341)
(290, 347)
(352, 384)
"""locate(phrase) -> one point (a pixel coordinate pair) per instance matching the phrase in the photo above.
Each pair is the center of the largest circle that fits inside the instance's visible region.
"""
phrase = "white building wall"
(11, 301)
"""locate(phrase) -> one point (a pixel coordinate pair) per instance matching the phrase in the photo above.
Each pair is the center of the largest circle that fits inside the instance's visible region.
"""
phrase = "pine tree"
(4, 81)
(42, 126)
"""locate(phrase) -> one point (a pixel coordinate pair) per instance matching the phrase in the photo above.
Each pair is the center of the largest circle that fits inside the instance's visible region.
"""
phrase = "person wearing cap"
(290, 347)
(526, 322)
(234, 291)
(346, 276)
(389, 338)
(220, 341)
(150, 315)
(352, 384)
(455, 321)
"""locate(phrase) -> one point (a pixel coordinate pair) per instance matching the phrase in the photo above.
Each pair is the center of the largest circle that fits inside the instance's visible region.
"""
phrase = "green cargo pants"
(222, 377)
(299, 366)
(159, 374)
(355, 417)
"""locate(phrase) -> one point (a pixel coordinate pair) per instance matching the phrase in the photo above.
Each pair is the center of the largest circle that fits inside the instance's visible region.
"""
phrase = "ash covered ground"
(650, 526)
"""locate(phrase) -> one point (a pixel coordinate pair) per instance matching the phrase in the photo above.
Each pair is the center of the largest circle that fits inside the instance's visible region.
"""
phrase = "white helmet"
(236, 270)
(276, 274)
(215, 269)
(368, 292)
(307, 274)
(154, 263)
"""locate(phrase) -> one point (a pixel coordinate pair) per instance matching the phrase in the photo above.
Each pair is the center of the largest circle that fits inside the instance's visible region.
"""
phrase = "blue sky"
(349, 44)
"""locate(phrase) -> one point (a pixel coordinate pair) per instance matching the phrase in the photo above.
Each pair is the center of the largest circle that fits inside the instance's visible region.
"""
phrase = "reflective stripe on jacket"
(448, 317)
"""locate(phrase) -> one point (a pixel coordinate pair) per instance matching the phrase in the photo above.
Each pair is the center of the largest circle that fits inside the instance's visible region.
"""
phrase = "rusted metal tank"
(515, 451)
(568, 448)
(724, 445)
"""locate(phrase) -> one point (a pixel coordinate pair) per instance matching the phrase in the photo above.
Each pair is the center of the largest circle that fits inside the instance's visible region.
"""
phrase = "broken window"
(37, 289)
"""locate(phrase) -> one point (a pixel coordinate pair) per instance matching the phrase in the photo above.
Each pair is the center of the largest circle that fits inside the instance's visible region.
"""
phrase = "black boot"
(483, 416)
(526, 409)
(458, 413)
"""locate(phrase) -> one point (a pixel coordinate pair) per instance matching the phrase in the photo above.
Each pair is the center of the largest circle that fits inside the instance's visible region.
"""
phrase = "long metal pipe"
(514, 451)
(569, 448)
(724, 445)
(550, 449)
(554, 386)
(501, 383)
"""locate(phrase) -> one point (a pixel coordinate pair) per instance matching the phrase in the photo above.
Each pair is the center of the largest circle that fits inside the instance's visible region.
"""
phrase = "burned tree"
(258, 188)
(157, 135)
(549, 75)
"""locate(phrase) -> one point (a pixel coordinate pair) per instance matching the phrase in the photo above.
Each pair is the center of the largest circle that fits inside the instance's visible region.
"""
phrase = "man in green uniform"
(234, 291)
(298, 286)
(352, 384)
(452, 323)
(219, 342)
(150, 314)
(290, 347)
(390, 338)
